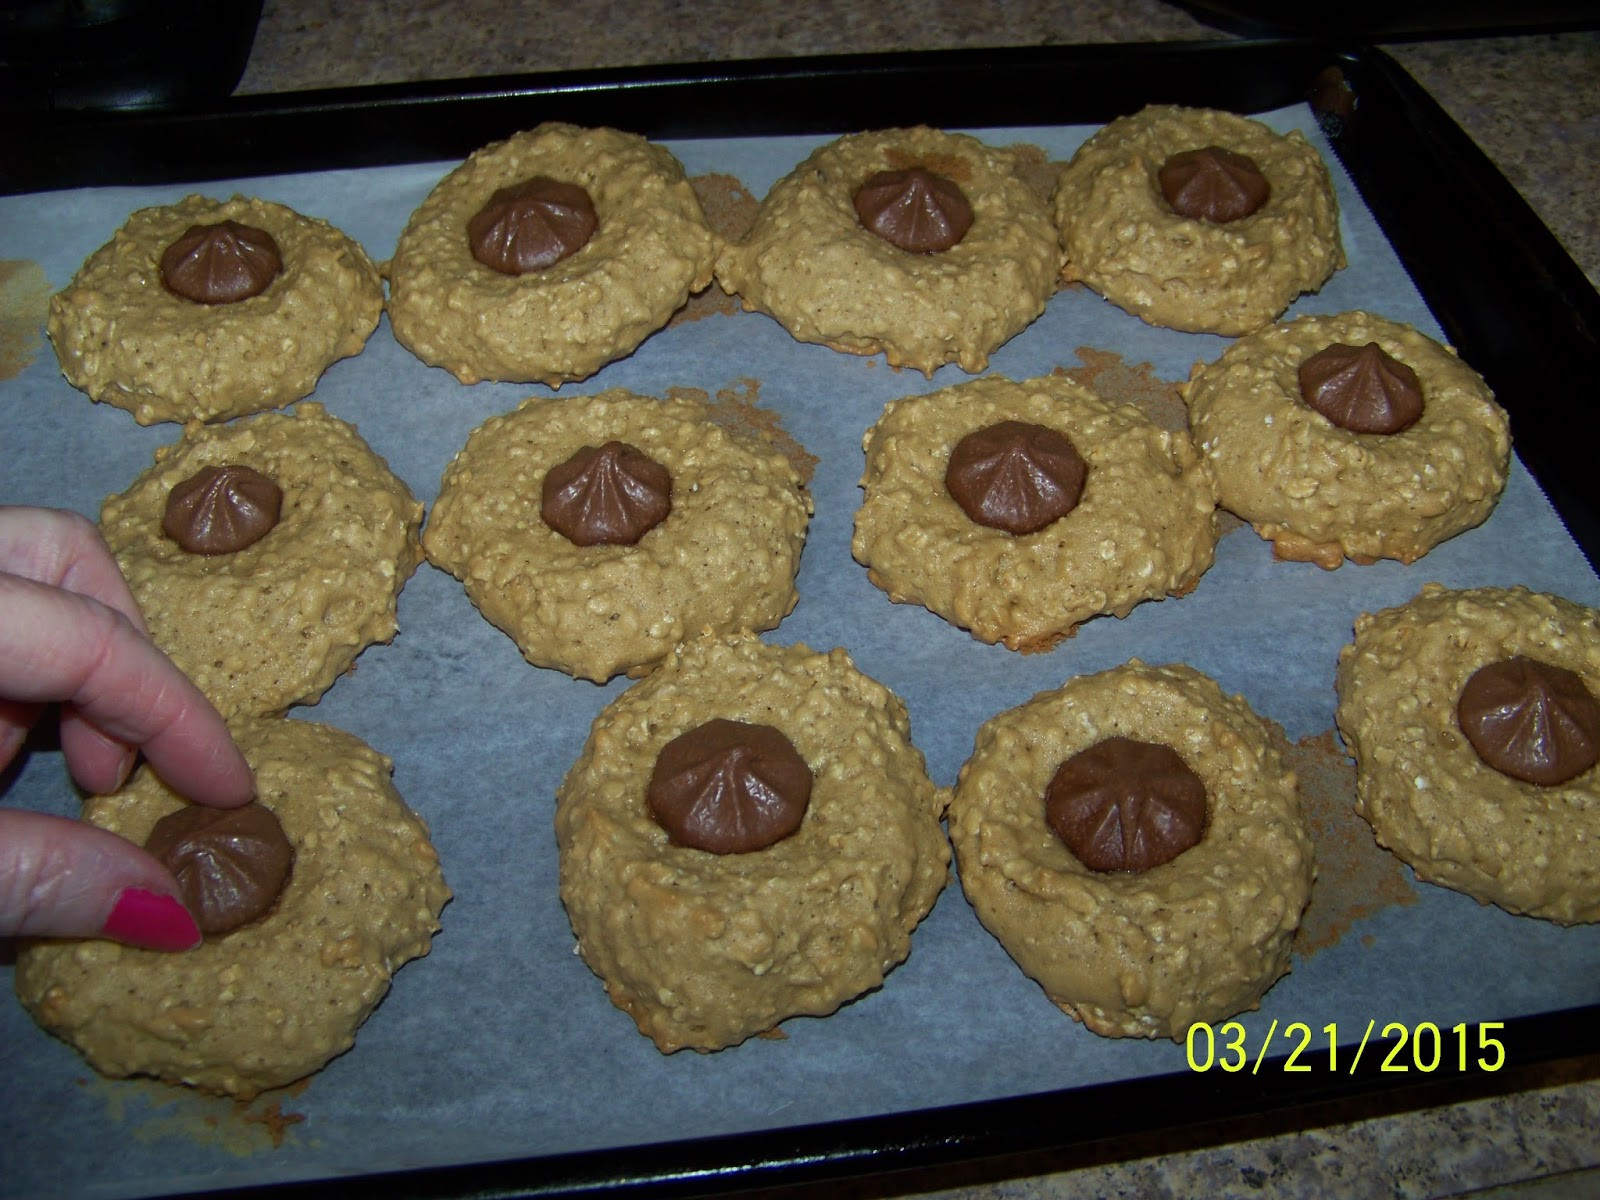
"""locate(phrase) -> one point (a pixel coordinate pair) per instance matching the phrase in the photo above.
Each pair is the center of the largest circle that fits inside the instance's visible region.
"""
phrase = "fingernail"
(151, 920)
(125, 767)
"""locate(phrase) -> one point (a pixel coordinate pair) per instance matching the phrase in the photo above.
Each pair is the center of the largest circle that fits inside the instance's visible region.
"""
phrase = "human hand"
(71, 633)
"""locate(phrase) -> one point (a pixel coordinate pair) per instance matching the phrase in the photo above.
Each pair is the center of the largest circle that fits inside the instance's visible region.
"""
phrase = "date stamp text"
(1396, 1047)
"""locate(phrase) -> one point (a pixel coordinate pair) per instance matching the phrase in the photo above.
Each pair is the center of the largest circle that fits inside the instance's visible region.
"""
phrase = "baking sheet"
(501, 1044)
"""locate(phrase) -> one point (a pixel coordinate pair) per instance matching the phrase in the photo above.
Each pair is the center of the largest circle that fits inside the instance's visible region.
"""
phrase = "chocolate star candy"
(612, 496)
(1361, 388)
(729, 787)
(1016, 476)
(914, 209)
(1213, 184)
(221, 263)
(231, 863)
(1126, 805)
(219, 510)
(532, 225)
(1531, 720)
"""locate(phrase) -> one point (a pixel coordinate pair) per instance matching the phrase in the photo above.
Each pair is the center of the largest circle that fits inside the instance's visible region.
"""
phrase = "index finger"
(64, 549)
(58, 645)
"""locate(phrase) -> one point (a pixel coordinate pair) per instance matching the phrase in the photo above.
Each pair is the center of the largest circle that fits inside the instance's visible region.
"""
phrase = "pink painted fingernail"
(151, 920)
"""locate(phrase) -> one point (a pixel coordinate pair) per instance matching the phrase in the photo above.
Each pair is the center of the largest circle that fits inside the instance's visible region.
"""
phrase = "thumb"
(66, 878)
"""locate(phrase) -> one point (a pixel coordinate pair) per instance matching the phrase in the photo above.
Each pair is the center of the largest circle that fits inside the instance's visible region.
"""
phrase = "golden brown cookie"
(1124, 238)
(1321, 492)
(1428, 793)
(705, 949)
(723, 558)
(127, 339)
(650, 249)
(275, 999)
(811, 263)
(275, 622)
(1137, 953)
(1144, 526)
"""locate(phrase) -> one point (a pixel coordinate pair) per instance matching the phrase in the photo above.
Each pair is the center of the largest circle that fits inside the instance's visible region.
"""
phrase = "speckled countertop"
(1531, 102)
(1533, 105)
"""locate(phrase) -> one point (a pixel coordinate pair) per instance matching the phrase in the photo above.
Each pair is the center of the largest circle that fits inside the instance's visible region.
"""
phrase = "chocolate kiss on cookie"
(219, 510)
(230, 863)
(532, 225)
(1361, 388)
(1531, 720)
(1016, 476)
(221, 263)
(1126, 805)
(1213, 184)
(729, 787)
(915, 209)
(612, 496)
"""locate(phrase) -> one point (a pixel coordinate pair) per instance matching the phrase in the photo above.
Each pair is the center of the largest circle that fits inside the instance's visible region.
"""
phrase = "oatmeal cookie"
(811, 263)
(723, 557)
(575, 300)
(273, 622)
(1222, 270)
(275, 999)
(1137, 953)
(705, 949)
(1322, 492)
(128, 339)
(1429, 794)
(1144, 527)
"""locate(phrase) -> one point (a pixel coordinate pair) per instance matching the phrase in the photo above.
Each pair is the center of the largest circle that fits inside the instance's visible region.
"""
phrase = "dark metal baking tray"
(1493, 275)
(1392, 20)
(121, 53)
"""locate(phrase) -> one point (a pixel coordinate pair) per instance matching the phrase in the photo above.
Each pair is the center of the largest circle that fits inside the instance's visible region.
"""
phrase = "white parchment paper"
(501, 1043)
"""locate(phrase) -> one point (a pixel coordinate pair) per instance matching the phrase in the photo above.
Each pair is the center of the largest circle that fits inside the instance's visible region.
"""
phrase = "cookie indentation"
(532, 225)
(729, 787)
(612, 496)
(1364, 389)
(1531, 720)
(1213, 184)
(220, 510)
(1126, 805)
(914, 209)
(230, 863)
(221, 263)
(1016, 476)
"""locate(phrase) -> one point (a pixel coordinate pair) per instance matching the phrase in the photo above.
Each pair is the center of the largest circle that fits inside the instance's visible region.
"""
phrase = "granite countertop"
(1531, 103)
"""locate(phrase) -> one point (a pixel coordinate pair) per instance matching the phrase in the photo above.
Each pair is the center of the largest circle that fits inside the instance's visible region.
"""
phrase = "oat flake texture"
(1422, 787)
(1138, 954)
(704, 950)
(123, 338)
(652, 250)
(274, 1000)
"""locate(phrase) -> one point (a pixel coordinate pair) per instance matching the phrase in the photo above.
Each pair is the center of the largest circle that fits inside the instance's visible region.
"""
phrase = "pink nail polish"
(151, 920)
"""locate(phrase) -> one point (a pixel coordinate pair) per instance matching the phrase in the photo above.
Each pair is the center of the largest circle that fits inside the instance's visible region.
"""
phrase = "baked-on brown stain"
(270, 1117)
(730, 211)
(1109, 376)
(737, 410)
(150, 1112)
(1356, 877)
(24, 304)
(729, 207)
(1037, 169)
